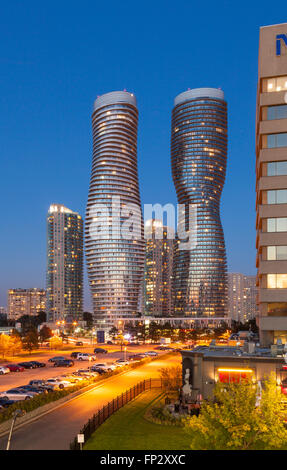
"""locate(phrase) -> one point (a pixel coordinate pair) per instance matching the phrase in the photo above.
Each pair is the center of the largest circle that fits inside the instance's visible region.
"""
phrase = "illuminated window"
(275, 84)
(276, 281)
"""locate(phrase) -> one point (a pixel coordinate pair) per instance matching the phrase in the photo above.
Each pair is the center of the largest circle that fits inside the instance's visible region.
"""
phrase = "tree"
(234, 422)
(88, 318)
(15, 344)
(56, 342)
(4, 344)
(30, 341)
(171, 378)
(45, 333)
(113, 332)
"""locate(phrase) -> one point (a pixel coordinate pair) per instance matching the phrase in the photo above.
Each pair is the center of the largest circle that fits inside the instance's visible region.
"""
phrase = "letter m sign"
(279, 38)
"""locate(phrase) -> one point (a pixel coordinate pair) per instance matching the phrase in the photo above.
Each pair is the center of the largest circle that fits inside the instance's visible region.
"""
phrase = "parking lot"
(17, 379)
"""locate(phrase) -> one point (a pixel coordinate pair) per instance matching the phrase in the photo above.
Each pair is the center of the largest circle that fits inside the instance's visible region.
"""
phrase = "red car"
(15, 368)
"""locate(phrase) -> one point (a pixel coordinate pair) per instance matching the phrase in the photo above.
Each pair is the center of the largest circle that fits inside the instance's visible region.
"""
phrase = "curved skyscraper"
(115, 246)
(198, 154)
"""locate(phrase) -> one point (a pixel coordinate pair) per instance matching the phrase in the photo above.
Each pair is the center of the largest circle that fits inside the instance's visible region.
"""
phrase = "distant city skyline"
(49, 83)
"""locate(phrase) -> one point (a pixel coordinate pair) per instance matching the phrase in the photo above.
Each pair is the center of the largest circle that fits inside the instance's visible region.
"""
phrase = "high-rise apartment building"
(242, 297)
(235, 296)
(198, 154)
(115, 247)
(64, 264)
(158, 269)
(271, 183)
(25, 302)
(250, 294)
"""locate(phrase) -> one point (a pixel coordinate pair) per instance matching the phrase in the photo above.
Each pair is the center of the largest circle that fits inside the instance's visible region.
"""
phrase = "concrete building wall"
(271, 184)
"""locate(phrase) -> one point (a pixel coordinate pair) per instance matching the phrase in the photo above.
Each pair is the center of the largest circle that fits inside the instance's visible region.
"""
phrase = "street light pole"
(15, 416)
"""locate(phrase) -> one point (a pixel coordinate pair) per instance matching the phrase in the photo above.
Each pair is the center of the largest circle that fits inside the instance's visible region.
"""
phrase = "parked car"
(5, 402)
(4, 370)
(87, 372)
(110, 342)
(79, 343)
(57, 358)
(74, 354)
(15, 368)
(58, 383)
(100, 351)
(29, 389)
(16, 394)
(86, 357)
(38, 364)
(136, 357)
(104, 366)
(64, 363)
(151, 353)
(43, 384)
(99, 370)
(27, 365)
(122, 362)
(73, 379)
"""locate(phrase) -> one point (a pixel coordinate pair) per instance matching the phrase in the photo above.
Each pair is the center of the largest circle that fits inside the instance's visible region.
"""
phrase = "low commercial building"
(205, 366)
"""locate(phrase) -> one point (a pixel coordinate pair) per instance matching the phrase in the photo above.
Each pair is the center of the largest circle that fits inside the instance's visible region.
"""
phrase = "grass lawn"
(127, 429)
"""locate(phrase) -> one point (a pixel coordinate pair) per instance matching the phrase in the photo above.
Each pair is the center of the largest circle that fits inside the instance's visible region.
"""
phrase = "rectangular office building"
(271, 184)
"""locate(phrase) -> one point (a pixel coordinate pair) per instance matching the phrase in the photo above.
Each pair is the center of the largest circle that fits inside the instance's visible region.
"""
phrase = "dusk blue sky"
(57, 56)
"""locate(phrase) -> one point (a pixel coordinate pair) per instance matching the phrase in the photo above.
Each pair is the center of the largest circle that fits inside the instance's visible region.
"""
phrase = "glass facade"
(277, 112)
(276, 168)
(277, 140)
(276, 196)
(115, 263)
(278, 224)
(277, 252)
(198, 154)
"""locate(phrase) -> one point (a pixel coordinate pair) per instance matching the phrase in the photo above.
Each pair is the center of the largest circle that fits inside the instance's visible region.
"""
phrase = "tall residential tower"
(64, 264)
(158, 269)
(115, 246)
(198, 156)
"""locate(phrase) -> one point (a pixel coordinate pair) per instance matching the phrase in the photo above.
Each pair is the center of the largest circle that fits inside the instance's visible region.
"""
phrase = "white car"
(4, 370)
(87, 372)
(59, 383)
(16, 394)
(85, 357)
(102, 365)
(151, 353)
(122, 362)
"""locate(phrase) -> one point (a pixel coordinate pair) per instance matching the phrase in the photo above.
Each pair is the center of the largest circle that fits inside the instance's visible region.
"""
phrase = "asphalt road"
(56, 430)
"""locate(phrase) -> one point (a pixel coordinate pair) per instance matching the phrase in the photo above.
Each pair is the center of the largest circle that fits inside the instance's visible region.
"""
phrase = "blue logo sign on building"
(279, 39)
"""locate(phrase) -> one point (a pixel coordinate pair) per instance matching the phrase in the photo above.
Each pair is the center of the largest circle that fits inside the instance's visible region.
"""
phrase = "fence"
(112, 406)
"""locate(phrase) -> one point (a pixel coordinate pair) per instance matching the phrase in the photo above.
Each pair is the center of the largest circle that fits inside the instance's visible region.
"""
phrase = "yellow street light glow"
(248, 371)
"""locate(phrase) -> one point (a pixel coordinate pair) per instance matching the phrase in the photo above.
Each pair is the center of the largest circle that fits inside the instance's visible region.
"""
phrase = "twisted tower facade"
(198, 155)
(115, 260)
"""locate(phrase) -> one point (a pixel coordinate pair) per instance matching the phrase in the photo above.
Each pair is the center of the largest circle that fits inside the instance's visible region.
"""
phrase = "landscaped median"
(41, 404)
